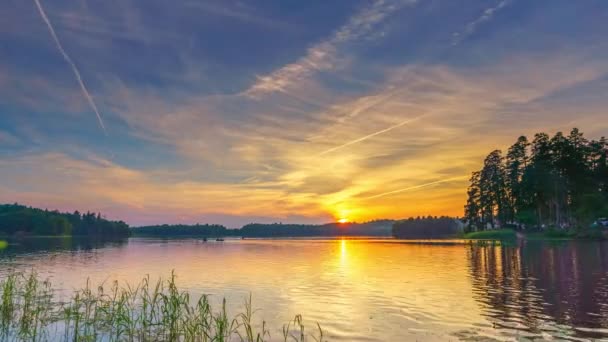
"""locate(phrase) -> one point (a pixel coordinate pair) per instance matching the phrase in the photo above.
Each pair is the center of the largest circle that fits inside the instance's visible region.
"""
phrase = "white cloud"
(471, 27)
(323, 55)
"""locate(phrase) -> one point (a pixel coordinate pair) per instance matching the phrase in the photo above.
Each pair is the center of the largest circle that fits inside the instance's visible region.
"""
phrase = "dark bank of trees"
(197, 230)
(281, 230)
(559, 181)
(263, 230)
(17, 219)
(372, 228)
(426, 227)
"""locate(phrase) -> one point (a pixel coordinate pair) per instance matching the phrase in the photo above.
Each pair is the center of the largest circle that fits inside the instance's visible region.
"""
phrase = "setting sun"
(365, 165)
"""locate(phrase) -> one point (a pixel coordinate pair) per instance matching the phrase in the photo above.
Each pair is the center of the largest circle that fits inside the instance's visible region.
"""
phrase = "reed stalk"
(148, 311)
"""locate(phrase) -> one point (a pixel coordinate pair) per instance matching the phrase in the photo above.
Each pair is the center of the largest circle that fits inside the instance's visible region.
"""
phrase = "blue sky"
(292, 111)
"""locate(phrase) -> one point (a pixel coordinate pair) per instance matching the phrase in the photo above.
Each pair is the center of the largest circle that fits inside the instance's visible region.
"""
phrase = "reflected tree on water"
(538, 289)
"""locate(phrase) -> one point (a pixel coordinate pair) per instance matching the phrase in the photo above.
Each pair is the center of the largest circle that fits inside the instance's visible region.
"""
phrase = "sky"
(231, 112)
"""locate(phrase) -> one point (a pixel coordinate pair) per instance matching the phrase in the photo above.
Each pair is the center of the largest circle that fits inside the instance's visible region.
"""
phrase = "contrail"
(85, 92)
(370, 135)
(415, 187)
(472, 26)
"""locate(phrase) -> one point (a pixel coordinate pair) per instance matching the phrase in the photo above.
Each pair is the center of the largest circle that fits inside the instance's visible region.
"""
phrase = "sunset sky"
(156, 111)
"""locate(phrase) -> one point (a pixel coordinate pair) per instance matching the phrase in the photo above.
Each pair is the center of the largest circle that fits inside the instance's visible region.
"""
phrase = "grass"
(551, 235)
(150, 311)
(498, 234)
(547, 235)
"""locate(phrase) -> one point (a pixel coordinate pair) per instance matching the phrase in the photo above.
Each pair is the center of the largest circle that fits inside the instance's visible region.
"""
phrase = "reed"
(160, 311)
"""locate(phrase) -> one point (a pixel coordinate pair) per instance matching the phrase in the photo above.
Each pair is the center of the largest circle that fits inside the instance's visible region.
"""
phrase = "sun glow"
(343, 220)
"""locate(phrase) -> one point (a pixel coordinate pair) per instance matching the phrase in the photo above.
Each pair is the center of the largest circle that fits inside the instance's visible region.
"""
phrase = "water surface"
(361, 290)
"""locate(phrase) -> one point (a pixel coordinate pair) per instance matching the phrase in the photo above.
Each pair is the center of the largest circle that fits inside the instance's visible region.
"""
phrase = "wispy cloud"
(457, 37)
(259, 142)
(471, 27)
(357, 124)
(382, 131)
(323, 55)
(125, 193)
(67, 58)
(237, 11)
(409, 188)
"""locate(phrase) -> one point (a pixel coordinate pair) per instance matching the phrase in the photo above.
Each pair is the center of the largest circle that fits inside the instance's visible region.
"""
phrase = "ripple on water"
(368, 290)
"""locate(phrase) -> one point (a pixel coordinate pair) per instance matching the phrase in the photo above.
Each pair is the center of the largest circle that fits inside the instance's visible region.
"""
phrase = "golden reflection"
(391, 289)
(375, 286)
(343, 251)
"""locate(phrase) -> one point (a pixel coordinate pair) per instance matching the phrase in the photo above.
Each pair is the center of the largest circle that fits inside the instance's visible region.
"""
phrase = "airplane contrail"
(370, 135)
(416, 187)
(85, 92)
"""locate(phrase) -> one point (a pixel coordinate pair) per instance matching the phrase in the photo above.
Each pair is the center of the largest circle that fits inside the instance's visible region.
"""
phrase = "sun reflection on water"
(389, 290)
(343, 250)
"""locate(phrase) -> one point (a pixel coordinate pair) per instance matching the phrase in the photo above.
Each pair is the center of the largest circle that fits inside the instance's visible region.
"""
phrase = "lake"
(361, 289)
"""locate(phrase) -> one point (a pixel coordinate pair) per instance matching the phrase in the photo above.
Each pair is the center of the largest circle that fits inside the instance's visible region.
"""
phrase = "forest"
(371, 228)
(426, 228)
(255, 230)
(202, 230)
(16, 219)
(558, 182)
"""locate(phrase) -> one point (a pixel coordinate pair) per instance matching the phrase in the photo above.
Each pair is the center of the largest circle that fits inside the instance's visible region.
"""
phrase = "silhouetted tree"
(426, 228)
(558, 181)
(15, 218)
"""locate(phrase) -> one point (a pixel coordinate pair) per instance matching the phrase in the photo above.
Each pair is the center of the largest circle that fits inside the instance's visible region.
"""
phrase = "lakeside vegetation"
(372, 228)
(552, 183)
(181, 230)
(30, 311)
(19, 220)
(546, 235)
(426, 228)
(261, 230)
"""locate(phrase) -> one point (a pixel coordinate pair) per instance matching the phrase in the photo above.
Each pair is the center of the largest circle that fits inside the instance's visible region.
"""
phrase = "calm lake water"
(362, 290)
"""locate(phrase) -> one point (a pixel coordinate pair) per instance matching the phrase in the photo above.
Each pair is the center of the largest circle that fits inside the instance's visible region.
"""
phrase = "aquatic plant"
(149, 311)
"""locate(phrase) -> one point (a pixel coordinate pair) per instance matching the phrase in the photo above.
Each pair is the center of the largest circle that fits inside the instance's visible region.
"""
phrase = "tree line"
(426, 227)
(261, 230)
(558, 182)
(202, 230)
(372, 228)
(16, 219)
